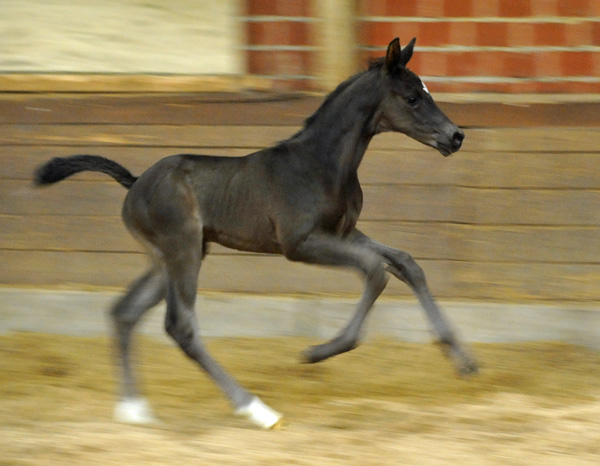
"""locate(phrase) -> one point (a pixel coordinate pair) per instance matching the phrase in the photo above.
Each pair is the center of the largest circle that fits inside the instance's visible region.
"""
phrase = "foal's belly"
(252, 237)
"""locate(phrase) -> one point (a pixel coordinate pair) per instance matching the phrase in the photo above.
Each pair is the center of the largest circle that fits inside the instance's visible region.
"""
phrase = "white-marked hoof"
(260, 414)
(134, 411)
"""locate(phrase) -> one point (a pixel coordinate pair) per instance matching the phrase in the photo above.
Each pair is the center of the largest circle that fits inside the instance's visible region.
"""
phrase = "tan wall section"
(121, 36)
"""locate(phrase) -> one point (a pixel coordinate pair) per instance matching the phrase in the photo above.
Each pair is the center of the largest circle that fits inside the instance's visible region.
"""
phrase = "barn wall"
(513, 216)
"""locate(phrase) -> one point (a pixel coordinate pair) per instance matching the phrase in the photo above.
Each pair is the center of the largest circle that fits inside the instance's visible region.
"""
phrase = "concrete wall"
(86, 313)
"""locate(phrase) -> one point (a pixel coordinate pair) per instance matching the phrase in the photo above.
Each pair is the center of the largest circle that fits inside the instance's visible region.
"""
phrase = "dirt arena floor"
(385, 403)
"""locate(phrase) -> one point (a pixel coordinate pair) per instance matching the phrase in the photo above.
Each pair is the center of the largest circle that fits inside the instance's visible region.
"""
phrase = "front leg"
(403, 266)
(326, 249)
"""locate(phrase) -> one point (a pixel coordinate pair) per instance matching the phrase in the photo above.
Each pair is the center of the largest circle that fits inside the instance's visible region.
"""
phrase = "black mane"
(374, 64)
(330, 98)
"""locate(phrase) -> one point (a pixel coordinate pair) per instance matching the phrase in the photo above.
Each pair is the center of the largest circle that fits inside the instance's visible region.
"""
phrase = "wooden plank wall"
(514, 216)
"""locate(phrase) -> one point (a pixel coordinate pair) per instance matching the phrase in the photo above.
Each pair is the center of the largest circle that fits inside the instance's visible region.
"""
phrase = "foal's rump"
(216, 194)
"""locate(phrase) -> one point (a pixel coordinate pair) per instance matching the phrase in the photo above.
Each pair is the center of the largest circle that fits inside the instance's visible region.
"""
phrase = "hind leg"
(143, 294)
(183, 266)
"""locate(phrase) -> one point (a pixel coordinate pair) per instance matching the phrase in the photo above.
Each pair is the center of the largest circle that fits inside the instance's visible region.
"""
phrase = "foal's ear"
(407, 52)
(393, 55)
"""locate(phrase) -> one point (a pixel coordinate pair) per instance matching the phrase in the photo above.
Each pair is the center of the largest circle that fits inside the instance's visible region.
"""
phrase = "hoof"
(309, 356)
(465, 364)
(314, 354)
(261, 415)
(319, 353)
(134, 411)
(468, 368)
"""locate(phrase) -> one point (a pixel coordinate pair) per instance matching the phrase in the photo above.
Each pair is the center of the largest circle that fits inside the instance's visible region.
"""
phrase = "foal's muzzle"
(451, 142)
(457, 139)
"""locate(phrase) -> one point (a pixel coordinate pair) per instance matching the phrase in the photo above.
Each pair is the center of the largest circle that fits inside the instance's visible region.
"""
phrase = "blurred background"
(463, 45)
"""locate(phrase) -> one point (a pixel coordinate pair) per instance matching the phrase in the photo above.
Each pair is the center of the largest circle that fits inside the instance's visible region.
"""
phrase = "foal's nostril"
(457, 138)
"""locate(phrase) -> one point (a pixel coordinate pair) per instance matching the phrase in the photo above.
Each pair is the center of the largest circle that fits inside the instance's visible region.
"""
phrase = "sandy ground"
(385, 403)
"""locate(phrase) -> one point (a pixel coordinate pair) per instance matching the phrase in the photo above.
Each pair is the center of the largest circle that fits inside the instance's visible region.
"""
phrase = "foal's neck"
(340, 131)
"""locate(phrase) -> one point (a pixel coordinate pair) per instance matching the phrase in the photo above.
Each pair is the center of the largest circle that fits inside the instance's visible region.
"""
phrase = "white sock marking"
(260, 414)
(134, 411)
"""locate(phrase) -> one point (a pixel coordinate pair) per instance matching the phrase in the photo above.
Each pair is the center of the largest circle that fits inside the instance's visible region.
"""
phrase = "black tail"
(60, 168)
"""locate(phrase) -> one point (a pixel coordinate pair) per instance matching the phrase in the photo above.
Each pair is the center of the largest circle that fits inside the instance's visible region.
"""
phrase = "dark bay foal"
(300, 198)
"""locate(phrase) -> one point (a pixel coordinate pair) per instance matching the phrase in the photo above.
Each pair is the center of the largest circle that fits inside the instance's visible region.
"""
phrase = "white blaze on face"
(425, 87)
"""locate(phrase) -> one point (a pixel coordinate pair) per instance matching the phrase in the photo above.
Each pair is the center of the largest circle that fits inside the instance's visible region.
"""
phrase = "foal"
(300, 198)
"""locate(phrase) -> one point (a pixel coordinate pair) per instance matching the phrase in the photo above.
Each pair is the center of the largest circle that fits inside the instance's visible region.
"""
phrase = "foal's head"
(407, 106)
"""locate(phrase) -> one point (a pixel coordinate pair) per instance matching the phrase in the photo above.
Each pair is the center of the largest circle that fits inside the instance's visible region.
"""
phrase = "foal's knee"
(121, 314)
(412, 272)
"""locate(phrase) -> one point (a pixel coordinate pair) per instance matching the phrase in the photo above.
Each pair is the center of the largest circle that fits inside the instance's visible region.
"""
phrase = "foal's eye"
(412, 100)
